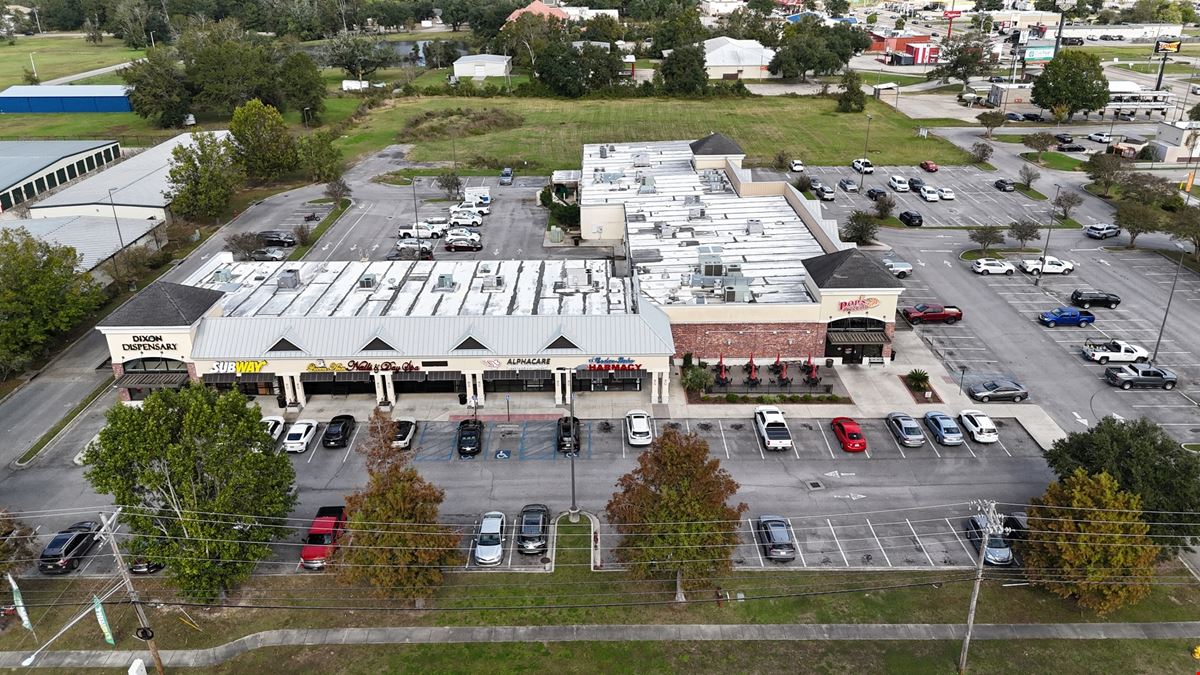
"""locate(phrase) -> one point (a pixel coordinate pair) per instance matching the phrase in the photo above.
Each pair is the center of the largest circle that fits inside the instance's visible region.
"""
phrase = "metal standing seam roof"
(139, 180)
(427, 337)
(66, 91)
(482, 58)
(94, 238)
(21, 159)
(727, 52)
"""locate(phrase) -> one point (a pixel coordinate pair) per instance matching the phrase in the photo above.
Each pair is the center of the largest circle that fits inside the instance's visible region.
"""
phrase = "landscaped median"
(1053, 160)
(300, 251)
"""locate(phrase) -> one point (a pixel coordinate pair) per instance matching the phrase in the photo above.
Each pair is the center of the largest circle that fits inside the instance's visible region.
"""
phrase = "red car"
(849, 435)
(929, 166)
(323, 537)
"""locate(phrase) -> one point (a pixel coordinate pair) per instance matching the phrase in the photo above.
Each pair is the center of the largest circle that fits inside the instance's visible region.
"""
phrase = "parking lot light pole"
(866, 145)
(574, 512)
(961, 378)
(1037, 280)
(1167, 311)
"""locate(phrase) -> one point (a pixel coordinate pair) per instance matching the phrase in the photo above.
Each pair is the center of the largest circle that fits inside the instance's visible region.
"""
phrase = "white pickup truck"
(1119, 351)
(1047, 265)
(422, 230)
(772, 429)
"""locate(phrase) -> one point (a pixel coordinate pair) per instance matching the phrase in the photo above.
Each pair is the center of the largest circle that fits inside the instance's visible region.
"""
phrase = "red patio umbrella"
(783, 371)
(777, 359)
(753, 371)
(721, 361)
(722, 370)
(751, 359)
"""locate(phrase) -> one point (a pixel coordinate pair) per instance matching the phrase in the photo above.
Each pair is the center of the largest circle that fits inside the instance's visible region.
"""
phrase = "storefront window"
(856, 323)
(155, 365)
(140, 394)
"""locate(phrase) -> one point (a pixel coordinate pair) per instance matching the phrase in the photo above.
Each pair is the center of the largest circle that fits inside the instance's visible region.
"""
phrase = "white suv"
(986, 266)
(465, 218)
(863, 165)
(898, 183)
(929, 194)
(481, 209)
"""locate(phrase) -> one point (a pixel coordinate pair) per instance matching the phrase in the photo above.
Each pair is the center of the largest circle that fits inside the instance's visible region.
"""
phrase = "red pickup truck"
(322, 537)
(926, 311)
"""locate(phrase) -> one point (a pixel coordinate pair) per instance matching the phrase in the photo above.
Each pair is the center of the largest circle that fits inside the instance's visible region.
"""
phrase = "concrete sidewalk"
(609, 633)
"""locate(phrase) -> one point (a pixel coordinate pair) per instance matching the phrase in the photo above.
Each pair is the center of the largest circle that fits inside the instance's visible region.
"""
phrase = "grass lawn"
(874, 77)
(1053, 160)
(106, 78)
(554, 131)
(1030, 192)
(1135, 53)
(1152, 68)
(59, 56)
(1063, 657)
(1195, 447)
(944, 89)
(1008, 138)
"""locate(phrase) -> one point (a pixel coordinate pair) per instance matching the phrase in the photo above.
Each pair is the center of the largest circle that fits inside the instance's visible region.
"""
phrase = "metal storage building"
(94, 238)
(29, 168)
(92, 98)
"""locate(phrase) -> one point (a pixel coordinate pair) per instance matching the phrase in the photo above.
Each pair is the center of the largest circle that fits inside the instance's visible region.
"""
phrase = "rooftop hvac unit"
(367, 282)
(492, 283)
(710, 265)
(603, 152)
(665, 230)
(689, 200)
(696, 214)
(445, 283)
(612, 148)
(737, 289)
(640, 159)
(289, 279)
(754, 226)
(733, 270)
(648, 186)
(223, 276)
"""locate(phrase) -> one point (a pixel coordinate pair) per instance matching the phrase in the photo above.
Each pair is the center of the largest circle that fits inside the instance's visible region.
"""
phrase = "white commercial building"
(716, 8)
(728, 59)
(1128, 31)
(31, 168)
(482, 65)
(135, 187)
(95, 239)
(587, 13)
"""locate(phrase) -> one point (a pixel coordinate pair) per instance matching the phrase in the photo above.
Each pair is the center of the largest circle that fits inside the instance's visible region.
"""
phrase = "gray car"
(272, 253)
(906, 430)
(999, 390)
(489, 545)
(898, 267)
(996, 550)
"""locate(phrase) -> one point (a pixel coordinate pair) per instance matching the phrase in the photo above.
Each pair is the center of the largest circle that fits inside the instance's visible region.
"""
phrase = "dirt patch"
(919, 396)
(457, 123)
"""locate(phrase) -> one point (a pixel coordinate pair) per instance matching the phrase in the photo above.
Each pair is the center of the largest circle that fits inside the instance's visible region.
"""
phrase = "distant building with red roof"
(541, 9)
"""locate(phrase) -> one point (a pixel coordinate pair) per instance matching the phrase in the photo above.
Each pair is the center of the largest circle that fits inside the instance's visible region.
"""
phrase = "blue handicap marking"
(502, 454)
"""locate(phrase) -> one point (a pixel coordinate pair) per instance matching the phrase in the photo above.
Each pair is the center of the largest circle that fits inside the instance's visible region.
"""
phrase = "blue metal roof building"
(93, 98)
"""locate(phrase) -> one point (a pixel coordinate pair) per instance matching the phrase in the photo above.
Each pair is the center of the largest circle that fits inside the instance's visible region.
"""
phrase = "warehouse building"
(482, 65)
(296, 330)
(135, 188)
(79, 98)
(30, 168)
(95, 239)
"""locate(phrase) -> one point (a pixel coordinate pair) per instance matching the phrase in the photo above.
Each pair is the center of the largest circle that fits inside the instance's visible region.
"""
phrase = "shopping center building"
(707, 262)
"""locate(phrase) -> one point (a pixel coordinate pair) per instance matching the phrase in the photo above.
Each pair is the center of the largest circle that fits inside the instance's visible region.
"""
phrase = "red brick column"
(889, 329)
(192, 372)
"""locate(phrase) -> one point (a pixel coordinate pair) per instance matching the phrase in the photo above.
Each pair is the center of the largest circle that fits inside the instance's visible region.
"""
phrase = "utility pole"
(994, 528)
(143, 632)
(574, 512)
(1037, 279)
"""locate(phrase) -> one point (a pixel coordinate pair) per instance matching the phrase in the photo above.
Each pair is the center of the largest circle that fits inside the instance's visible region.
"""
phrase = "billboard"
(1166, 46)
(951, 14)
(1038, 54)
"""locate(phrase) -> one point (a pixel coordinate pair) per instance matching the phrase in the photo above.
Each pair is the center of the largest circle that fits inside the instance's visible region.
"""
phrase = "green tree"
(41, 295)
(681, 29)
(526, 38)
(158, 88)
(837, 7)
(450, 183)
(560, 68)
(1066, 202)
(1194, 113)
(226, 66)
(129, 20)
(242, 244)
(964, 56)
(1144, 187)
(318, 158)
(683, 72)
(872, 19)
(1039, 143)
(407, 557)
(1184, 225)
(764, 7)
(601, 67)
(852, 98)
(203, 177)
(177, 464)
(809, 45)
(1104, 169)
(16, 544)
(1073, 81)
(673, 512)
(603, 28)
(261, 142)
(991, 120)
(301, 85)
(860, 228)
(1025, 230)
(455, 13)
(29, 77)
(697, 379)
(1137, 218)
(884, 206)
(359, 57)
(986, 236)
(746, 24)
(337, 190)
(1089, 543)
(1147, 462)
(981, 152)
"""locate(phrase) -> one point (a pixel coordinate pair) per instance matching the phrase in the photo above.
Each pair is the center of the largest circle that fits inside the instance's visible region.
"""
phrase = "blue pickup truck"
(1066, 316)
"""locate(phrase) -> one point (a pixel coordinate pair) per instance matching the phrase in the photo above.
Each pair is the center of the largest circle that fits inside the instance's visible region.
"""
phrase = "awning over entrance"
(220, 378)
(628, 374)
(442, 375)
(491, 375)
(857, 338)
(152, 380)
(408, 376)
(258, 377)
(354, 377)
(316, 377)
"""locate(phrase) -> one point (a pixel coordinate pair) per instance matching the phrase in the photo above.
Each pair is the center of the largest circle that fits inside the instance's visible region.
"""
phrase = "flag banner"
(103, 621)
(19, 603)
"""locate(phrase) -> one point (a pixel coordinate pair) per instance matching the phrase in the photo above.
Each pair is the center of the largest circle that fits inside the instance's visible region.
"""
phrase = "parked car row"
(532, 530)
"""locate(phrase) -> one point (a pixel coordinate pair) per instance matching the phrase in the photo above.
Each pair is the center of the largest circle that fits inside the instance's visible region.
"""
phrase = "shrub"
(696, 379)
(807, 398)
(768, 398)
(687, 360)
(917, 379)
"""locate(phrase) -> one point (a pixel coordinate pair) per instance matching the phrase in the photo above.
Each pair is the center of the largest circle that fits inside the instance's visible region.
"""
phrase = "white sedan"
(986, 266)
(979, 425)
(463, 233)
(274, 425)
(637, 428)
(300, 435)
(945, 193)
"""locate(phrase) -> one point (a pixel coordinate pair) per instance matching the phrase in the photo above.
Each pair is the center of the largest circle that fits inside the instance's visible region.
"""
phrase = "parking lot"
(1001, 338)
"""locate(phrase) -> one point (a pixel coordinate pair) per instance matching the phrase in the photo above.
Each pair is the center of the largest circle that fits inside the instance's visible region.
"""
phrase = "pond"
(404, 49)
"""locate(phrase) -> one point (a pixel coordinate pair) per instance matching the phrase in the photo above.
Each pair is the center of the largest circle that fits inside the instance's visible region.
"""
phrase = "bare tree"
(1066, 202)
(243, 244)
(1028, 175)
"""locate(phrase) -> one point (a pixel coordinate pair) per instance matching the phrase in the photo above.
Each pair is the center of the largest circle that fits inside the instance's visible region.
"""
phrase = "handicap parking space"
(977, 201)
(435, 441)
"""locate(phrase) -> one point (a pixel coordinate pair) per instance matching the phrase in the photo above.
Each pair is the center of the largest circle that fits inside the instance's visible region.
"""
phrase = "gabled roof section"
(716, 144)
(562, 342)
(469, 343)
(850, 268)
(163, 303)
(284, 346)
(539, 8)
(378, 345)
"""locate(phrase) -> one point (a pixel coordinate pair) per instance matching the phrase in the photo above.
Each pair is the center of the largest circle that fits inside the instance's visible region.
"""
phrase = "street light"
(1167, 311)
(962, 377)
(151, 39)
(1037, 280)
(573, 514)
(866, 144)
(304, 116)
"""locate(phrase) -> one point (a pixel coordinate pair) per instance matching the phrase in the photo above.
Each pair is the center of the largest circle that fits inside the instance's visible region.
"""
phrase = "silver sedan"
(906, 430)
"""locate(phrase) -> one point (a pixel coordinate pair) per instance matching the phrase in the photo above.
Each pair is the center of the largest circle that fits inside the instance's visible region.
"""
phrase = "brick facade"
(192, 372)
(118, 371)
(711, 340)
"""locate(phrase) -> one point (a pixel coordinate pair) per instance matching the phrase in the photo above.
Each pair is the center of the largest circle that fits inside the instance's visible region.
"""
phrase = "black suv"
(277, 238)
(68, 548)
(775, 538)
(567, 435)
(533, 528)
(1085, 299)
(1064, 138)
(469, 440)
(875, 193)
(338, 431)
(1005, 185)
(911, 219)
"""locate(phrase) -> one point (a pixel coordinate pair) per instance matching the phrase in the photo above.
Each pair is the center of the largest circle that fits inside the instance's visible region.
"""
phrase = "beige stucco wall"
(127, 344)
(468, 364)
(602, 221)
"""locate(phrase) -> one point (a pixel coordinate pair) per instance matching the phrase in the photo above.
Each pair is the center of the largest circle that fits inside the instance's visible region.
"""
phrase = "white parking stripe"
(955, 533)
(920, 543)
(722, 430)
(835, 540)
(881, 548)
(796, 541)
(821, 427)
(896, 443)
(754, 540)
(1004, 448)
